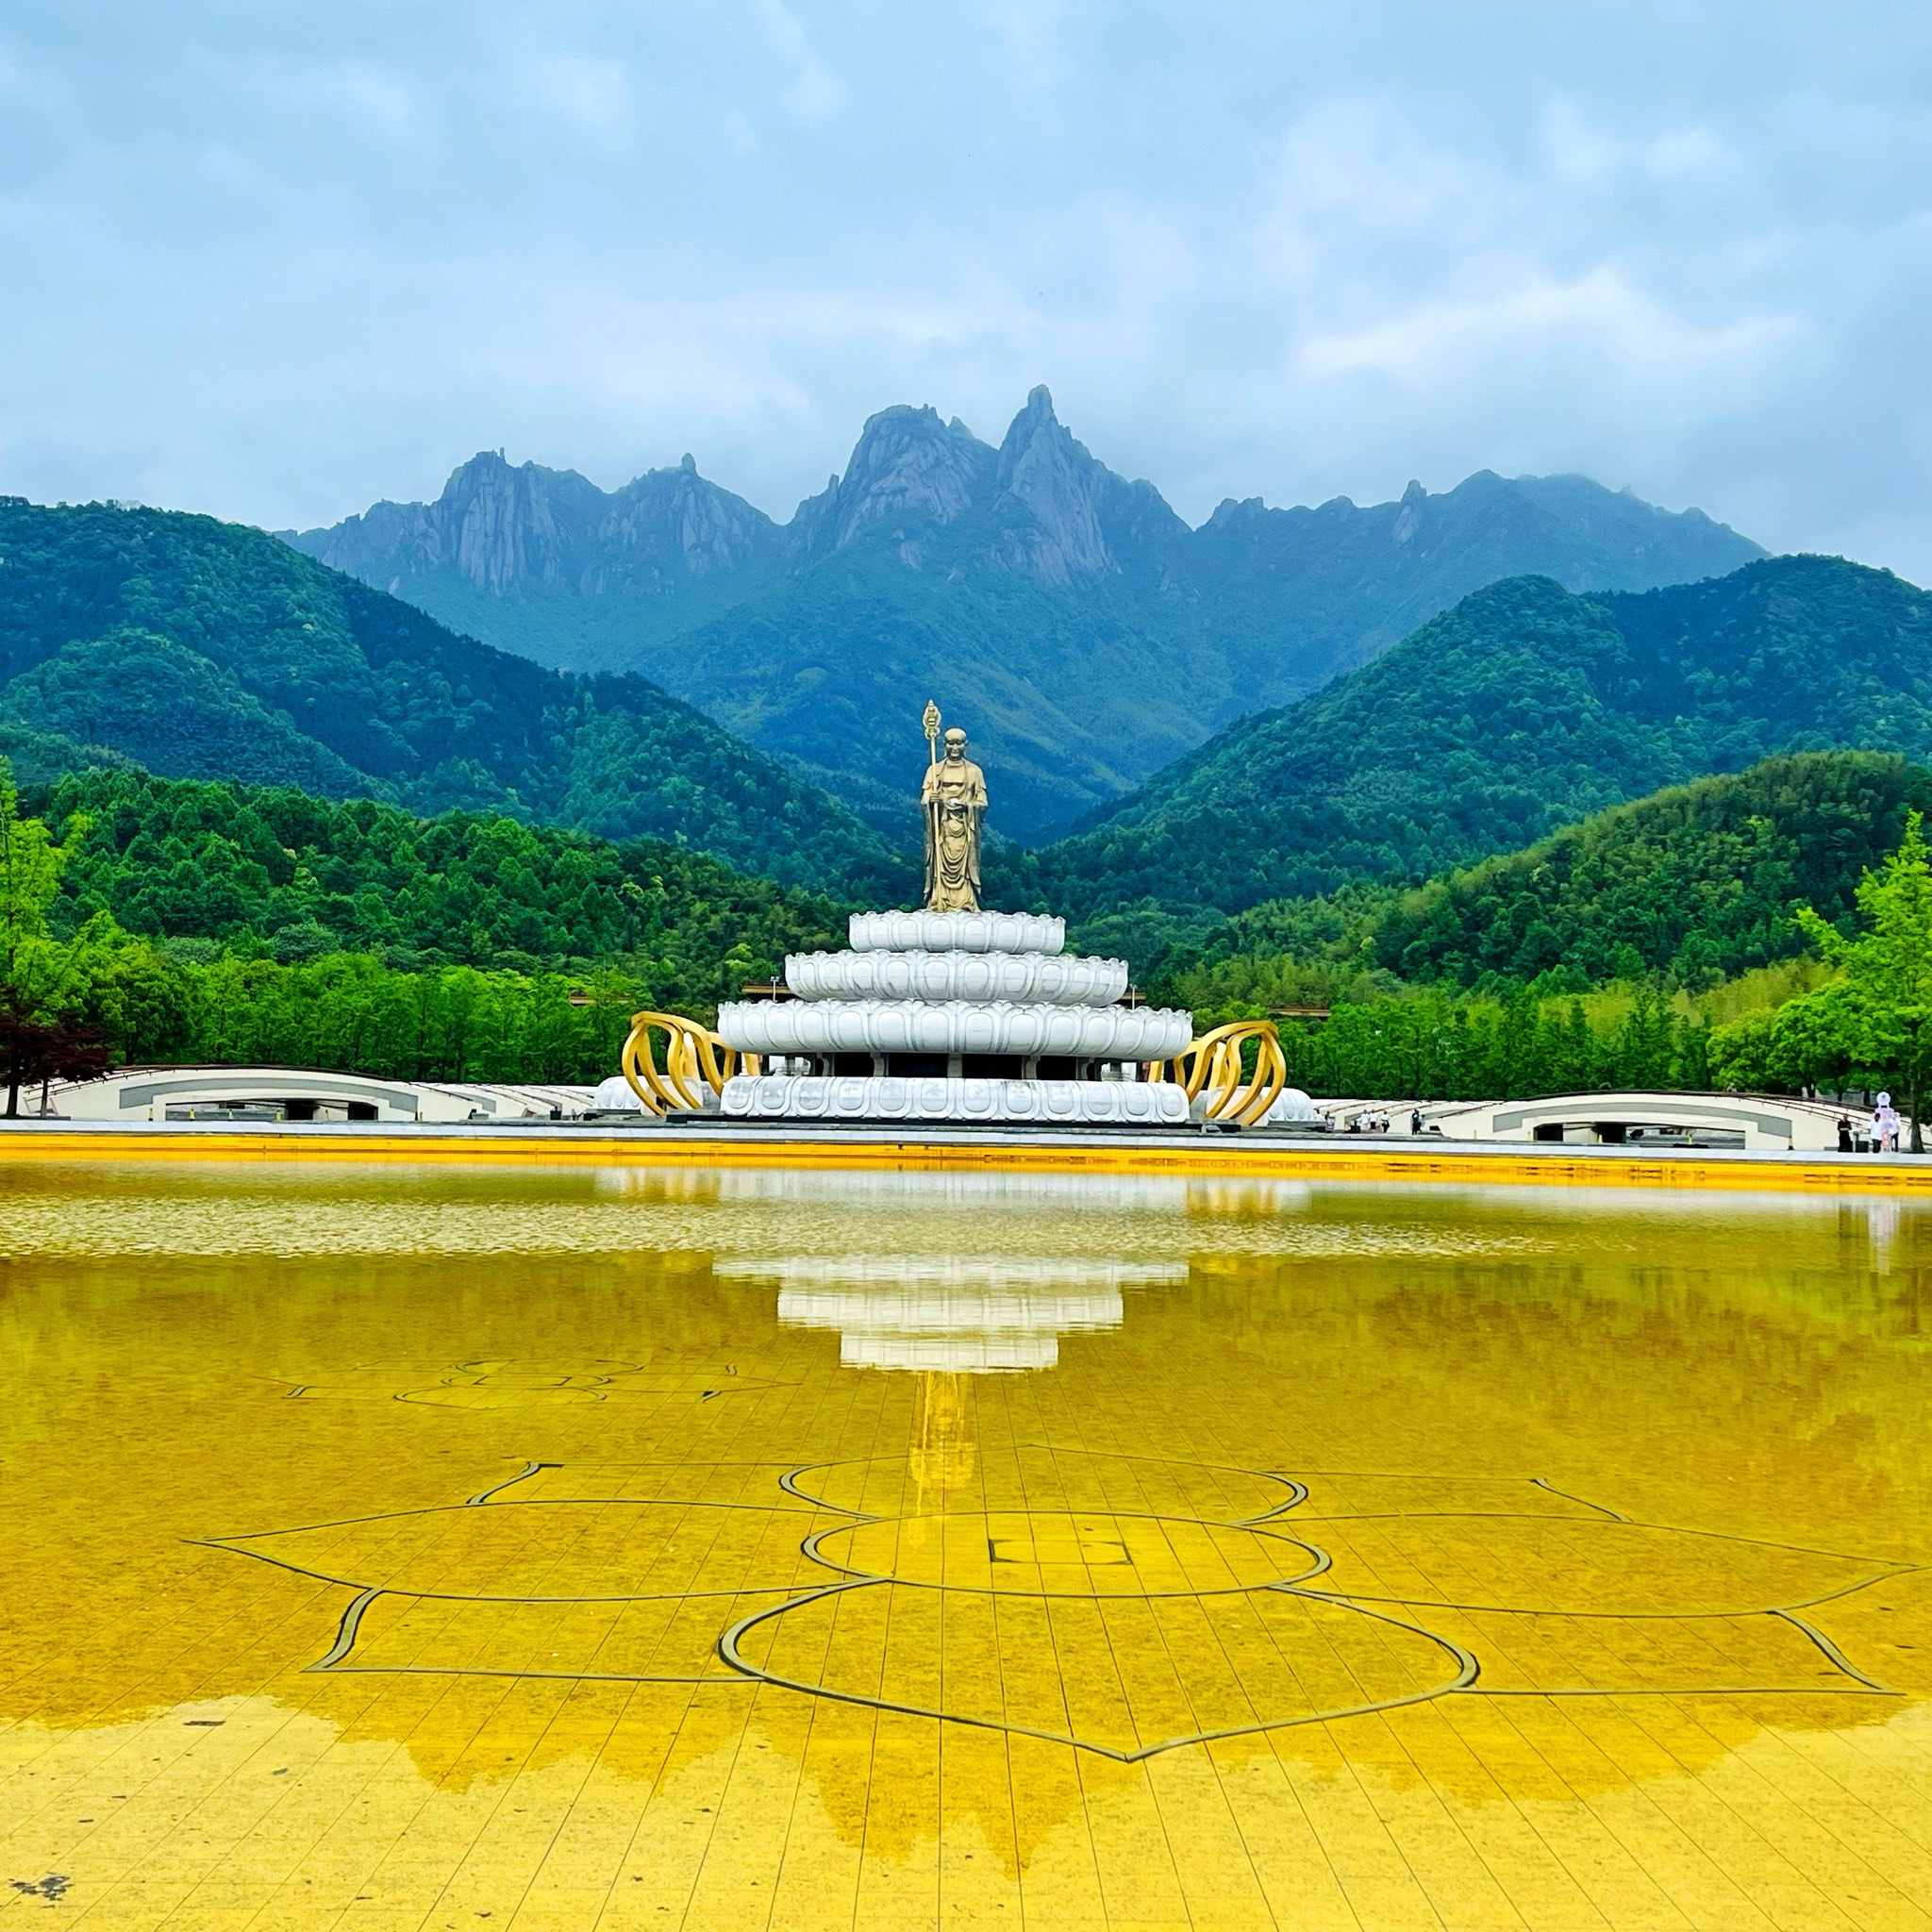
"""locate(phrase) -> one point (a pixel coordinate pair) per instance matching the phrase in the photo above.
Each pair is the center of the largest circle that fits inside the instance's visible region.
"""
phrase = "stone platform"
(954, 1016)
(1047, 1103)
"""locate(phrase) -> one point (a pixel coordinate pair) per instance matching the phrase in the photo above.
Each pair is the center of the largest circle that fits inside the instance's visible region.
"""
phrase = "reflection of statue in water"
(942, 1457)
(954, 796)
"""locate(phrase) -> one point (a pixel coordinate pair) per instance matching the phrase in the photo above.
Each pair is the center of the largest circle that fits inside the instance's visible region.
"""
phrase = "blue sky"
(274, 260)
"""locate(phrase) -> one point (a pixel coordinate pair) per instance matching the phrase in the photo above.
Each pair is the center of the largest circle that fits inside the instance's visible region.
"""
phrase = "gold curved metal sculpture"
(695, 1058)
(1214, 1064)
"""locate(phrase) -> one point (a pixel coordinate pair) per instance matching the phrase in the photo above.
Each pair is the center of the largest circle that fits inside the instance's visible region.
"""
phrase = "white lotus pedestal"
(954, 1016)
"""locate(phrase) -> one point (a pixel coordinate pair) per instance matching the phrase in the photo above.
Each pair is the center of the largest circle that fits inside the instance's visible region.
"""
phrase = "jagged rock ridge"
(504, 528)
(1067, 615)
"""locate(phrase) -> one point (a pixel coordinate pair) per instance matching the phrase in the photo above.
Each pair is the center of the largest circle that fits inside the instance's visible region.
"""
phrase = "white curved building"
(253, 1096)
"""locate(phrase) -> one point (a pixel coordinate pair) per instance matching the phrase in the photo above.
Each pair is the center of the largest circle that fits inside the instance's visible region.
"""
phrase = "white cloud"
(814, 91)
(277, 264)
(1589, 153)
(1686, 152)
(1031, 32)
(743, 353)
(1363, 162)
(1580, 154)
(591, 94)
(1449, 339)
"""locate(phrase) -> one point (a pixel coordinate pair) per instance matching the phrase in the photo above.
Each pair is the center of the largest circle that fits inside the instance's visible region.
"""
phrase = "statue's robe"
(954, 796)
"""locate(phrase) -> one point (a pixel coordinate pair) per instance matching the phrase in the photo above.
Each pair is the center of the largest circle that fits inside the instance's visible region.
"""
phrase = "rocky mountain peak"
(1408, 518)
(1231, 510)
(908, 464)
(1036, 413)
(494, 525)
(1078, 508)
(671, 523)
(501, 528)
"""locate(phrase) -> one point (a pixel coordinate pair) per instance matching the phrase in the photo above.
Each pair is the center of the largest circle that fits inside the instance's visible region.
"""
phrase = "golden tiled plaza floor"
(577, 1550)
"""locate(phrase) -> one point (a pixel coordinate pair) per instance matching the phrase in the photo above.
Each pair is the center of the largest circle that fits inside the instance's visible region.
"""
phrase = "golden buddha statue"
(953, 797)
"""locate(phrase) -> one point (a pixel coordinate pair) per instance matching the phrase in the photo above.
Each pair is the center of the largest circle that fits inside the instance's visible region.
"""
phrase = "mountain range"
(200, 649)
(1068, 617)
(208, 650)
(203, 650)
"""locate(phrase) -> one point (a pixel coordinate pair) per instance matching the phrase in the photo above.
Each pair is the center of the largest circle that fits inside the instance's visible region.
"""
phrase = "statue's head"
(955, 743)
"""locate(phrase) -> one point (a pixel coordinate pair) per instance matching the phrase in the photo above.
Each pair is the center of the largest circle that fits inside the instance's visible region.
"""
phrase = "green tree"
(41, 978)
(1805, 1044)
(1885, 1005)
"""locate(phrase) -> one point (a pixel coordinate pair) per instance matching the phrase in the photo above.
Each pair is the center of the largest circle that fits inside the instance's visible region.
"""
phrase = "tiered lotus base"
(954, 1016)
(884, 1097)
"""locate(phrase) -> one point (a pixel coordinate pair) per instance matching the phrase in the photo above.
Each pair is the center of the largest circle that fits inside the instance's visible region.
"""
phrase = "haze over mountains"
(1083, 633)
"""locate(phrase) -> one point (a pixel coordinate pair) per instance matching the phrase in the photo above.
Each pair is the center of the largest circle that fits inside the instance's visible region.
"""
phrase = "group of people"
(1378, 1121)
(1887, 1125)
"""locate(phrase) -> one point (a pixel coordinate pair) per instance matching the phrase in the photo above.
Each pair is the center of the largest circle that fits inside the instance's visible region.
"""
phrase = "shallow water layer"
(593, 1549)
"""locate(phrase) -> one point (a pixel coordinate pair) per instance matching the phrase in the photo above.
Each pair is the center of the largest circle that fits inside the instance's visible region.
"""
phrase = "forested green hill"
(290, 877)
(1691, 886)
(1523, 708)
(1696, 882)
(204, 649)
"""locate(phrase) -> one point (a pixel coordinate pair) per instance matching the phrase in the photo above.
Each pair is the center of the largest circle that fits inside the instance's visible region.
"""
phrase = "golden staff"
(931, 721)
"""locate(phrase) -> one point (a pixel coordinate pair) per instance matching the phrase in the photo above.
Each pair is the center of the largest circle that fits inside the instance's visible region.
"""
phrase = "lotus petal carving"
(1016, 978)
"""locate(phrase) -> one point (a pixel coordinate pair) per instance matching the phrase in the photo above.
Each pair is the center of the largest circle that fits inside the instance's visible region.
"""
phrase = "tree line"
(277, 873)
(151, 919)
(1435, 1044)
(352, 1013)
(1870, 1024)
(284, 929)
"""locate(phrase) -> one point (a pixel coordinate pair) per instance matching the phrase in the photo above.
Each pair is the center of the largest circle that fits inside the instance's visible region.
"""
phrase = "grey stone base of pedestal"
(881, 1097)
